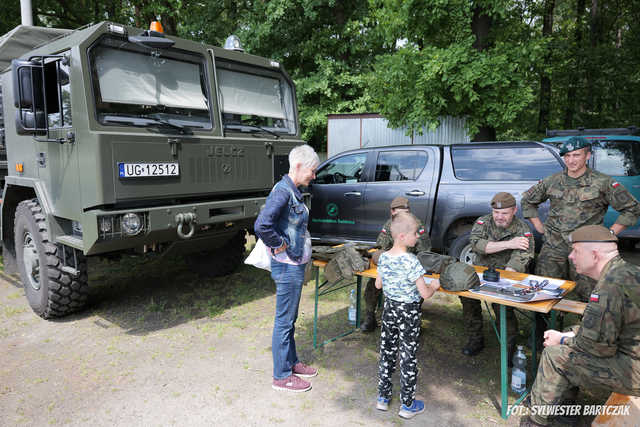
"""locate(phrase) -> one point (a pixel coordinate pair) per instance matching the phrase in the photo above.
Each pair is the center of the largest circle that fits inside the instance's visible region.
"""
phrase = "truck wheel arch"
(13, 195)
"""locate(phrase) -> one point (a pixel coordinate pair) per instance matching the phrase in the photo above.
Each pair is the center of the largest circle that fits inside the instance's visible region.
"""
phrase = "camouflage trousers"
(562, 370)
(399, 337)
(553, 261)
(371, 297)
(472, 318)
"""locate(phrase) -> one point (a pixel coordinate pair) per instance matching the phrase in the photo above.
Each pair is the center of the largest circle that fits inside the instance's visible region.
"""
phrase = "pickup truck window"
(617, 158)
(503, 163)
(400, 165)
(343, 170)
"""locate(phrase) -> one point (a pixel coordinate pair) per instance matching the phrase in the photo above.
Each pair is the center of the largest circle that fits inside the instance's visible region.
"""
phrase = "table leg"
(503, 360)
(358, 290)
(315, 313)
(534, 345)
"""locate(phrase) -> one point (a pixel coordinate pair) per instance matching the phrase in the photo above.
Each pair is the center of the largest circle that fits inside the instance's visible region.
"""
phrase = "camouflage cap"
(458, 277)
(503, 200)
(572, 144)
(400, 202)
(592, 233)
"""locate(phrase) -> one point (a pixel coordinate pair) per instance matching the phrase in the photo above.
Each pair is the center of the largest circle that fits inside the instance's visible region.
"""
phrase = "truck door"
(407, 172)
(337, 195)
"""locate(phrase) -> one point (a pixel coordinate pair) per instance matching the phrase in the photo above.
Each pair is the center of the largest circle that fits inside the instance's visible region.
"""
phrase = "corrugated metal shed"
(351, 131)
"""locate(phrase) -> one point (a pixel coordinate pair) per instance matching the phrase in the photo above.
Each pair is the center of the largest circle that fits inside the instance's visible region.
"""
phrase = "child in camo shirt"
(400, 275)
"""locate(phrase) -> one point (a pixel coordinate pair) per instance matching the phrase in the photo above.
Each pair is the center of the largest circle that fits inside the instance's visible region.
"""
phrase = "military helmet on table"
(458, 277)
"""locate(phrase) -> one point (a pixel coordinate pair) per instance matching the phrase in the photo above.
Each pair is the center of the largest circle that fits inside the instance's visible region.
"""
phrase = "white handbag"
(259, 256)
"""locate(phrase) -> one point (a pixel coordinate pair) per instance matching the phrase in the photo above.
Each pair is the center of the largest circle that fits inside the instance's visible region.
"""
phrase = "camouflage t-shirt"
(399, 274)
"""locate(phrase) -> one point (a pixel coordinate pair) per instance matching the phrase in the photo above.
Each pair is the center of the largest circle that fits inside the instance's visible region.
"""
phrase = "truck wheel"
(51, 291)
(221, 261)
(461, 249)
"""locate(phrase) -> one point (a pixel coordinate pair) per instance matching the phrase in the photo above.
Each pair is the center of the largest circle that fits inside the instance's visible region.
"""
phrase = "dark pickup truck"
(448, 187)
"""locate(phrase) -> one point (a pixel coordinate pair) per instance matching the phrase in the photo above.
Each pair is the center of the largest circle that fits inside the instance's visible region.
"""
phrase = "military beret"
(400, 202)
(592, 233)
(572, 144)
(458, 277)
(503, 200)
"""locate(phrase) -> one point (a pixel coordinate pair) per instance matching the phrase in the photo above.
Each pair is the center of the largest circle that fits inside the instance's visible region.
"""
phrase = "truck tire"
(221, 261)
(461, 249)
(51, 291)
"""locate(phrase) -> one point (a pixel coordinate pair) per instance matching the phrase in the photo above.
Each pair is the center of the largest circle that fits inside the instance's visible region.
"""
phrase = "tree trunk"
(480, 26)
(573, 83)
(545, 81)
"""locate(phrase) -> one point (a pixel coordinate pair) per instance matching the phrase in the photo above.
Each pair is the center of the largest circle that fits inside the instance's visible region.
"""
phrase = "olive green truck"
(121, 140)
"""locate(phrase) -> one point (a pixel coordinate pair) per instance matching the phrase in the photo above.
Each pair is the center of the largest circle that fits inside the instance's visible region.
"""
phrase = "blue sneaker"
(413, 410)
(382, 403)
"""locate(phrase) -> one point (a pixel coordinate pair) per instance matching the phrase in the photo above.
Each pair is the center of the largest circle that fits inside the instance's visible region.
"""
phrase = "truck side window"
(343, 170)
(400, 165)
(617, 158)
(59, 73)
(504, 163)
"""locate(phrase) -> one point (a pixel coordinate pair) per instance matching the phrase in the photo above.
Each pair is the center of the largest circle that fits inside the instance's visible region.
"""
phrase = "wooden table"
(536, 307)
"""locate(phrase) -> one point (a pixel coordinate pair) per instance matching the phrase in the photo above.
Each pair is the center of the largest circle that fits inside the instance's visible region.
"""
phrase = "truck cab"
(124, 140)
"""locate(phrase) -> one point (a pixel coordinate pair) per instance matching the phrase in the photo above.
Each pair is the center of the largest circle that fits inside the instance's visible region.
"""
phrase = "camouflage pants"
(472, 318)
(563, 369)
(371, 297)
(399, 336)
(553, 261)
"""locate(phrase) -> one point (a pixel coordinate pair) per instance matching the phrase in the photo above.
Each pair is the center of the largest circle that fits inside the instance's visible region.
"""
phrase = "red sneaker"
(291, 383)
(302, 370)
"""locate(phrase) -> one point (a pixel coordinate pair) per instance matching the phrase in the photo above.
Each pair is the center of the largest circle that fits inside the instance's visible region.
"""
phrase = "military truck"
(125, 140)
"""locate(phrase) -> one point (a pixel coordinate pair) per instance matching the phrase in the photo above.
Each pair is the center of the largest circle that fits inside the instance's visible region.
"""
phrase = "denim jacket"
(284, 218)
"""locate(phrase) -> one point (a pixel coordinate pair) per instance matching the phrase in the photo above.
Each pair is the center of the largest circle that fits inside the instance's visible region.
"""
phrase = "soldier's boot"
(370, 323)
(473, 347)
(528, 422)
(570, 397)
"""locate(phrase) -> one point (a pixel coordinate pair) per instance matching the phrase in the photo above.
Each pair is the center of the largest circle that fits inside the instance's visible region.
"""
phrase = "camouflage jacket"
(611, 322)
(580, 201)
(485, 230)
(385, 241)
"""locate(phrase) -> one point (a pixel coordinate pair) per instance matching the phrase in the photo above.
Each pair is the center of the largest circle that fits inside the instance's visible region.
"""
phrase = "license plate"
(140, 170)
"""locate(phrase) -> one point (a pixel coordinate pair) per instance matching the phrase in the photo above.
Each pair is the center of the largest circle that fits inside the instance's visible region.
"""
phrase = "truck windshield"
(134, 86)
(254, 98)
(617, 158)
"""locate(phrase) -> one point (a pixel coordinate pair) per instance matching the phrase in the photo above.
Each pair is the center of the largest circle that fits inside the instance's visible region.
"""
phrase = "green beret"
(400, 202)
(503, 200)
(592, 233)
(572, 144)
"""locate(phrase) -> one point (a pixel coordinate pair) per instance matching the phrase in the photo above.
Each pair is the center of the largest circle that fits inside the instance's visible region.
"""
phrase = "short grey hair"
(304, 155)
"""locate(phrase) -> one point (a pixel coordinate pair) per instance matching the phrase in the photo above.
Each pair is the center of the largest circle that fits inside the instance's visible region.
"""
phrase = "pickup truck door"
(337, 198)
(409, 172)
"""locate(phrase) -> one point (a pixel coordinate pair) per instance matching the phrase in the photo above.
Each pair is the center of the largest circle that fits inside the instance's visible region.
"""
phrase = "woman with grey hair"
(282, 226)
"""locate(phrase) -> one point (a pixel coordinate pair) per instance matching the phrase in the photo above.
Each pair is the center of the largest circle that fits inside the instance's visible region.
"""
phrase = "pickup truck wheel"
(461, 249)
(221, 261)
(50, 290)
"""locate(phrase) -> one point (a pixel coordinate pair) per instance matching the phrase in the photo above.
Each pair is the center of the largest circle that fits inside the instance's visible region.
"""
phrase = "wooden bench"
(570, 306)
(625, 420)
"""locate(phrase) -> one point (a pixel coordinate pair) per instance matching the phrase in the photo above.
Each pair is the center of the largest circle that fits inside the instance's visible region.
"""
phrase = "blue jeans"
(288, 280)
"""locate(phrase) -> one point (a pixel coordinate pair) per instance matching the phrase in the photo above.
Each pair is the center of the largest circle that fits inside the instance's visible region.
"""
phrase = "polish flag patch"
(527, 234)
(384, 231)
(480, 222)
(615, 184)
(594, 298)
(421, 231)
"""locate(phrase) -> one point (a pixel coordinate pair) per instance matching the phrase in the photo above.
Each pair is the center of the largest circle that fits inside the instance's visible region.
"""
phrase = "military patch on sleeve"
(384, 230)
(480, 222)
(615, 184)
(421, 231)
(594, 298)
(527, 234)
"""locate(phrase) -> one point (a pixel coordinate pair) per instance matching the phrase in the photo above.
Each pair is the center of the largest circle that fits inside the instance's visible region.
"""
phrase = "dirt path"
(160, 346)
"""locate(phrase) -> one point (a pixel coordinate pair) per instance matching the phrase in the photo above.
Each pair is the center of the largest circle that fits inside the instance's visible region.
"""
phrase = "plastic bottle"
(519, 372)
(352, 307)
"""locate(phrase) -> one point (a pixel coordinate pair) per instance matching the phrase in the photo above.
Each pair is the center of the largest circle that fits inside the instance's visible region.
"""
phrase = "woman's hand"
(282, 248)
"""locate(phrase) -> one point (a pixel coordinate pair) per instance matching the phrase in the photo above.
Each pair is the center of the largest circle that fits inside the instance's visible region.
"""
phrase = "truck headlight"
(131, 223)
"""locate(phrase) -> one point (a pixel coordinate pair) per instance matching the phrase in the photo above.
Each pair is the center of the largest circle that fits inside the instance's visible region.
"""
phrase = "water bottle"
(352, 307)
(519, 373)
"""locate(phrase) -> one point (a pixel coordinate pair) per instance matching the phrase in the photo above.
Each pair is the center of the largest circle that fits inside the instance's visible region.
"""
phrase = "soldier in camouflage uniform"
(578, 196)
(604, 350)
(385, 242)
(502, 241)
